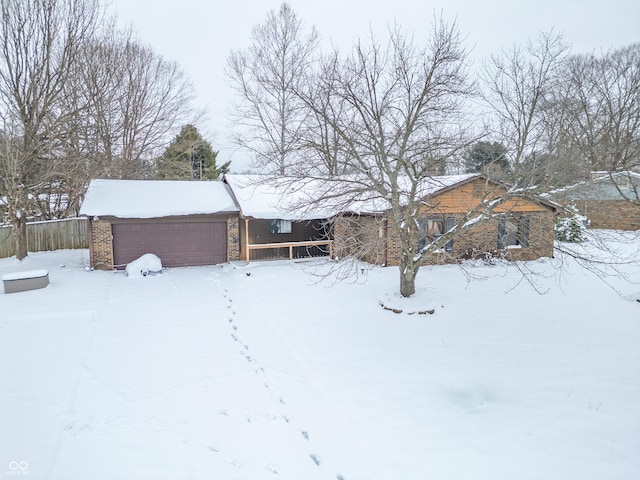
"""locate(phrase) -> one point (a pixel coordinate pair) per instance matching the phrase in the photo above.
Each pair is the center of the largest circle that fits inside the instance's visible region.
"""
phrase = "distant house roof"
(603, 186)
(156, 198)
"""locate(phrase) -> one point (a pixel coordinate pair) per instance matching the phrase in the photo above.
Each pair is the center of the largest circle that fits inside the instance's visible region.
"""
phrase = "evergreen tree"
(487, 157)
(190, 157)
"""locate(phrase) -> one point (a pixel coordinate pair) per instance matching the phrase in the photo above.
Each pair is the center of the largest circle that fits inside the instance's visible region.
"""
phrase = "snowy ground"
(212, 373)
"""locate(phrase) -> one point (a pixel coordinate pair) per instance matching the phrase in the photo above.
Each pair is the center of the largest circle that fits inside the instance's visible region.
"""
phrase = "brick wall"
(482, 238)
(233, 239)
(102, 246)
(610, 214)
(363, 237)
(372, 240)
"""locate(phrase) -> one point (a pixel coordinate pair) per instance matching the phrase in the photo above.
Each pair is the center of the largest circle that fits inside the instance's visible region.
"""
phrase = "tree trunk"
(20, 236)
(18, 206)
(408, 272)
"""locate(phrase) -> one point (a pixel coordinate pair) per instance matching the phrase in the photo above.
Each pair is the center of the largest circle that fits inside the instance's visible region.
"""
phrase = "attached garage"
(178, 244)
(183, 223)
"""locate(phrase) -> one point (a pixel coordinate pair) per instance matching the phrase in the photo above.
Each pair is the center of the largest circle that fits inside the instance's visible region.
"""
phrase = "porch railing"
(290, 245)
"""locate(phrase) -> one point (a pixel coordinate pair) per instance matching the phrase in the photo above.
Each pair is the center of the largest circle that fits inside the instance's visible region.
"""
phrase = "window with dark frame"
(513, 231)
(279, 226)
(432, 228)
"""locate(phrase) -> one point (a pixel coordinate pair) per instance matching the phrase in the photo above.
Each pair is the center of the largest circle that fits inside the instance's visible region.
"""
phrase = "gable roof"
(270, 197)
(156, 198)
(428, 187)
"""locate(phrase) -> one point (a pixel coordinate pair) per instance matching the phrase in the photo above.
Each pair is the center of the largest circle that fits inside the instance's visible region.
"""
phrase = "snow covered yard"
(208, 372)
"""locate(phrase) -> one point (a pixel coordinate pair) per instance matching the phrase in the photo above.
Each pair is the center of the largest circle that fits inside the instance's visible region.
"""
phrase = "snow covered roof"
(156, 198)
(427, 187)
(602, 186)
(268, 197)
(273, 197)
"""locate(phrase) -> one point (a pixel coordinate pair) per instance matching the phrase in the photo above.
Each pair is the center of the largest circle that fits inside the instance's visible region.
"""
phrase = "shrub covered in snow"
(571, 227)
(143, 266)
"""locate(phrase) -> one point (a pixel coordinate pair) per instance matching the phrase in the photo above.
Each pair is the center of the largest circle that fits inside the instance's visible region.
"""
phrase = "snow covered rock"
(145, 265)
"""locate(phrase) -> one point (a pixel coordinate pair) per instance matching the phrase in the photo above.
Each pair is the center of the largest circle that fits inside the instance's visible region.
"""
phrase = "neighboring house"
(519, 229)
(272, 222)
(182, 222)
(609, 201)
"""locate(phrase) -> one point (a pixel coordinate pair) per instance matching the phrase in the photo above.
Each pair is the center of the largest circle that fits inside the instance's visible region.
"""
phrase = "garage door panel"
(176, 243)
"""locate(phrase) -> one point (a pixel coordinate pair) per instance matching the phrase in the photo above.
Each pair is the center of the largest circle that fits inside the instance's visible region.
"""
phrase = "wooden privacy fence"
(52, 235)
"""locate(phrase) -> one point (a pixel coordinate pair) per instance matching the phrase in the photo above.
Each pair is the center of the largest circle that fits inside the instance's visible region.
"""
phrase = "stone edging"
(399, 310)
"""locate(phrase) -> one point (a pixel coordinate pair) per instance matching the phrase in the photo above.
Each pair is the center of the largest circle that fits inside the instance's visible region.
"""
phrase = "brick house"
(204, 223)
(519, 229)
(184, 223)
(608, 201)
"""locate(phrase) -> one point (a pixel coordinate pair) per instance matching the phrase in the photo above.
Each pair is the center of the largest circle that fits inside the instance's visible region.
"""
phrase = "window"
(280, 226)
(513, 231)
(432, 228)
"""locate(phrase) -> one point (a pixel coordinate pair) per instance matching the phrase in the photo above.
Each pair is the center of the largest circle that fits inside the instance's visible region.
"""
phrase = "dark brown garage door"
(177, 244)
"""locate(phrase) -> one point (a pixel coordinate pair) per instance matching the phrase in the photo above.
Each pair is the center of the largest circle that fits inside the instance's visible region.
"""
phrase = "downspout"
(246, 238)
(113, 259)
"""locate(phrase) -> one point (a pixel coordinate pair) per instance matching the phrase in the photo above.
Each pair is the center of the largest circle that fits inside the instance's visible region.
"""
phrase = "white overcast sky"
(199, 34)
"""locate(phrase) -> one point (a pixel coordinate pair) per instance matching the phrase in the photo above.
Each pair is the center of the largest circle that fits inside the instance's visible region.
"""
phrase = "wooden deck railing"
(290, 245)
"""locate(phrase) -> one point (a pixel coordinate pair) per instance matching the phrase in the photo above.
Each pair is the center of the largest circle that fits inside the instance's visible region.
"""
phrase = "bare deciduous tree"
(601, 111)
(516, 85)
(79, 98)
(39, 42)
(266, 77)
(135, 101)
(396, 110)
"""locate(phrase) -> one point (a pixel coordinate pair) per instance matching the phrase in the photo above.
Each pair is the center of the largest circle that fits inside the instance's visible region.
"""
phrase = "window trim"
(521, 235)
(278, 226)
(448, 222)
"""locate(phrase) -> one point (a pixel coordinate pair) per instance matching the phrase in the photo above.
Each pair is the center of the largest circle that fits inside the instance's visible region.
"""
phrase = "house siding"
(607, 202)
(610, 214)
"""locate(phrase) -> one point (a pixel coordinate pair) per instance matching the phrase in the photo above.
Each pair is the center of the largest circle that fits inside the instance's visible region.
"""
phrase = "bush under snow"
(143, 266)
(572, 226)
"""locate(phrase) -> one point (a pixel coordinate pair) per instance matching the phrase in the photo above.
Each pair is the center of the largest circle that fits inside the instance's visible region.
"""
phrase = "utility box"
(24, 281)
